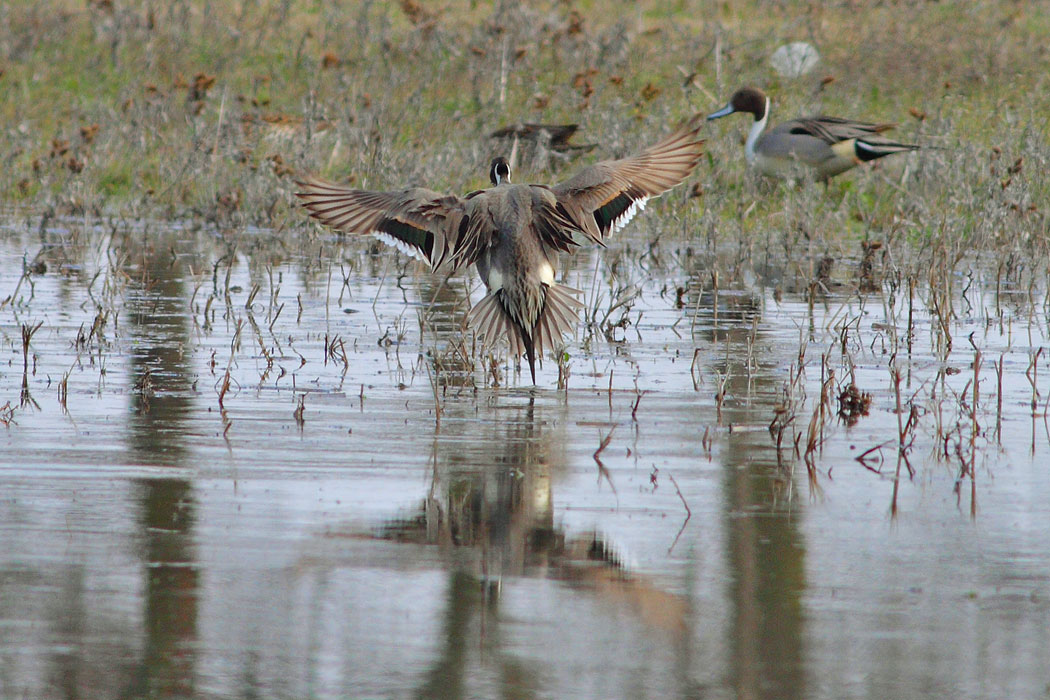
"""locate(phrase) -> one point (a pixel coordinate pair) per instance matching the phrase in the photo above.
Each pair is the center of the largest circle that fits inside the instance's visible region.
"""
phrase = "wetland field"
(798, 448)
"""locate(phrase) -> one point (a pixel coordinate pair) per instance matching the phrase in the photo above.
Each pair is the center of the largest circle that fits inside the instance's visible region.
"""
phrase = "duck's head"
(746, 99)
(499, 171)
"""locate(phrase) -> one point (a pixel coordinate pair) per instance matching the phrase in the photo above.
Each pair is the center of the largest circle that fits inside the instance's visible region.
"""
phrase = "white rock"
(795, 59)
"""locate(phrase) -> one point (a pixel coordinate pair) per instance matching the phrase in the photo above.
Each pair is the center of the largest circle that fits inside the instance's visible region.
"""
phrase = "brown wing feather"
(475, 230)
(419, 222)
(604, 197)
(832, 130)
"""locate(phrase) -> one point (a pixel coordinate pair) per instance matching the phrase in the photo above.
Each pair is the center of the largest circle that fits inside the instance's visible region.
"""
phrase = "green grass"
(409, 97)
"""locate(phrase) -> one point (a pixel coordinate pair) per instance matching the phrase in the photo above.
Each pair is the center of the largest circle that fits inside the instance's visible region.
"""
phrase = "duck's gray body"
(518, 271)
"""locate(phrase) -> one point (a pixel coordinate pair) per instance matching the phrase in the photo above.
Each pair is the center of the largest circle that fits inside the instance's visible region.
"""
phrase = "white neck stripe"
(752, 136)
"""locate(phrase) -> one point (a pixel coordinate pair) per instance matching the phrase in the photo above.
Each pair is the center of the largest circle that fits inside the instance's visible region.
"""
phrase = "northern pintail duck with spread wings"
(513, 232)
(826, 146)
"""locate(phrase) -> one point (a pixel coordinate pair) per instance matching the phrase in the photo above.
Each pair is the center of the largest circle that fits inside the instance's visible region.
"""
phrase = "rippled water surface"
(269, 467)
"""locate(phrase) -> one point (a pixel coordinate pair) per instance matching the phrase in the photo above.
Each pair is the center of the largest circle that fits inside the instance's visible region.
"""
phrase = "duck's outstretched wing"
(601, 199)
(420, 222)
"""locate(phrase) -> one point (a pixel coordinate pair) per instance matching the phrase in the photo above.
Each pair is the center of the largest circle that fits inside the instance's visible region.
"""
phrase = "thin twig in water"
(688, 512)
(602, 471)
(437, 397)
(975, 428)
(999, 399)
(634, 409)
(863, 457)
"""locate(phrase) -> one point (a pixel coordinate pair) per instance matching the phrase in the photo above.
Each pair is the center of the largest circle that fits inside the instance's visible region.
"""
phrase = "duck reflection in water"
(499, 507)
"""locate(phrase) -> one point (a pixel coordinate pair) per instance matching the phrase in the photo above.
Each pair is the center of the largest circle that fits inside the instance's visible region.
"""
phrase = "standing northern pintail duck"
(513, 232)
(826, 145)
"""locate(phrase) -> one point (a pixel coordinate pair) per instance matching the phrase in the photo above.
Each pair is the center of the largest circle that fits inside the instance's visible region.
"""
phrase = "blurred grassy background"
(181, 109)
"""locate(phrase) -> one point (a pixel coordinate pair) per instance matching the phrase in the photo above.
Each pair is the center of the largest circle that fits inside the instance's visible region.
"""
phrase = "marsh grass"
(191, 110)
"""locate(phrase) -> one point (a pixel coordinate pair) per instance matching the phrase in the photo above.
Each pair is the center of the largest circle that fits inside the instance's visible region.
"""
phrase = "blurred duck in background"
(824, 146)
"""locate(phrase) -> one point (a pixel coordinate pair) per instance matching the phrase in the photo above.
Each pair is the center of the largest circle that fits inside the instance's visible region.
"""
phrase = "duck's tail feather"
(872, 149)
(491, 321)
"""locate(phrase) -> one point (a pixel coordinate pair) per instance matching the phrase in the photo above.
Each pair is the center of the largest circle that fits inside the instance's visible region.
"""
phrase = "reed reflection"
(445, 302)
(161, 401)
(766, 550)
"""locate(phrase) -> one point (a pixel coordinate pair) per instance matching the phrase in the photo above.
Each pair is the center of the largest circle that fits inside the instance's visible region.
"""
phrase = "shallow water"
(322, 528)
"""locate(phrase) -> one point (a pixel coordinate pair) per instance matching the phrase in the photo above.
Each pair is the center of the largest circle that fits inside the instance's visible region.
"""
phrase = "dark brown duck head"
(746, 99)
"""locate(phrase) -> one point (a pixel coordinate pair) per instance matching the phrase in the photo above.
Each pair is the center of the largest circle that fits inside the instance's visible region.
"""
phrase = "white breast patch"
(546, 273)
(495, 279)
